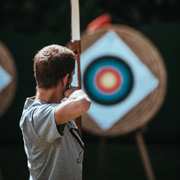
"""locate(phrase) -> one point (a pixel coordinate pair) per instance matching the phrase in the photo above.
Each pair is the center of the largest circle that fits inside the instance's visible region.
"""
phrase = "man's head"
(52, 64)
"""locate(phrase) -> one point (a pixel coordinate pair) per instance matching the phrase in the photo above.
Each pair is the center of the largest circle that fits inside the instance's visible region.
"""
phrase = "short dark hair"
(51, 64)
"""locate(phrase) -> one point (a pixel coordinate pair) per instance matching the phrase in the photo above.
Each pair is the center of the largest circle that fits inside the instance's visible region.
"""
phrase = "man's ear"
(65, 80)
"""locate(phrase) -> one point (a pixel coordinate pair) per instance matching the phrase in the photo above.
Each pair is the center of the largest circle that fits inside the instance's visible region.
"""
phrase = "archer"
(53, 147)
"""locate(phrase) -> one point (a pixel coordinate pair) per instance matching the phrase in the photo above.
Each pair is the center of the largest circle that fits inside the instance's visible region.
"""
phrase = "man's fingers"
(69, 91)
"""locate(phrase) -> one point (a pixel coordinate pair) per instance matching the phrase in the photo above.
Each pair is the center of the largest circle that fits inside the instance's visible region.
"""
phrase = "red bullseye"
(108, 80)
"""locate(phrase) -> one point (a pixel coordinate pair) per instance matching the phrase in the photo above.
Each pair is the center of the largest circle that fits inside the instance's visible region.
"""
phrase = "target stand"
(124, 75)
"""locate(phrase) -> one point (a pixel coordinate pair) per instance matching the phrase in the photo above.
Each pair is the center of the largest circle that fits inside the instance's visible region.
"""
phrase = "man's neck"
(52, 95)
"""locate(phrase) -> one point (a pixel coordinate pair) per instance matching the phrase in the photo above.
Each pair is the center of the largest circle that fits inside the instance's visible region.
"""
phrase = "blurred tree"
(33, 16)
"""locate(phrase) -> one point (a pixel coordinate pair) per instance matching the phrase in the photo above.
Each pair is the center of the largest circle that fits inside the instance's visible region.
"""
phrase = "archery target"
(116, 81)
(108, 80)
(125, 78)
(7, 78)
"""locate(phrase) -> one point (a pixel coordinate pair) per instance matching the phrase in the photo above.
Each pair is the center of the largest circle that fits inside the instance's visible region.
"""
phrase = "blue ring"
(116, 97)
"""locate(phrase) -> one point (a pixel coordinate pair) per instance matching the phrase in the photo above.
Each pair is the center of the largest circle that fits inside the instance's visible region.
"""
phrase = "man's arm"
(76, 104)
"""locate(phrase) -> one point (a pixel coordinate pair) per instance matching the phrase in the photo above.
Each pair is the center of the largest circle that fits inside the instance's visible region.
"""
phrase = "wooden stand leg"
(102, 157)
(1, 178)
(144, 156)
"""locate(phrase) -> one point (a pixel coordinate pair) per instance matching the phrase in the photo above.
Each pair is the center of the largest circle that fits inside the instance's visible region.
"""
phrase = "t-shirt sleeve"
(44, 123)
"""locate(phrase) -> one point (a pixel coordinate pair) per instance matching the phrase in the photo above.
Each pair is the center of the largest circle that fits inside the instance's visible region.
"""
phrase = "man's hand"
(73, 92)
(76, 104)
(69, 91)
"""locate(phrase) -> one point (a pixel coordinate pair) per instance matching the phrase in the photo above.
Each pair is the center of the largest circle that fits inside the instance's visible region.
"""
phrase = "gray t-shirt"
(53, 152)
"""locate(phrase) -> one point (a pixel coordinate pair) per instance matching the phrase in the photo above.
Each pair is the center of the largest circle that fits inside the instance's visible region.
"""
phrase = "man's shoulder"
(31, 104)
(34, 108)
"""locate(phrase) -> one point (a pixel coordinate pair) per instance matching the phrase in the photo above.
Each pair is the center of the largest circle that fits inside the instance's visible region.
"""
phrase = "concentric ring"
(108, 80)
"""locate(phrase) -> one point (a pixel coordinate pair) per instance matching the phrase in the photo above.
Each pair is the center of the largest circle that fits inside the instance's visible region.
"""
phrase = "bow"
(76, 45)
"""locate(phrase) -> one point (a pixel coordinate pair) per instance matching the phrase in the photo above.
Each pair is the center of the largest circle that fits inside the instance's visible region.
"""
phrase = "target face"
(108, 80)
(114, 78)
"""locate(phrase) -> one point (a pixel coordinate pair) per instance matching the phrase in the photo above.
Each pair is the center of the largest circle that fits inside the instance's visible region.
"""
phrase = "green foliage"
(37, 15)
(32, 15)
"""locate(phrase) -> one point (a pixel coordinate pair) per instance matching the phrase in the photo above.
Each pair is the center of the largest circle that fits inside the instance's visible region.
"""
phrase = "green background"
(26, 26)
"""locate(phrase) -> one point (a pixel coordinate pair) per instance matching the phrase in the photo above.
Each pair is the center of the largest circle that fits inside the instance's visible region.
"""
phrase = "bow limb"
(76, 46)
